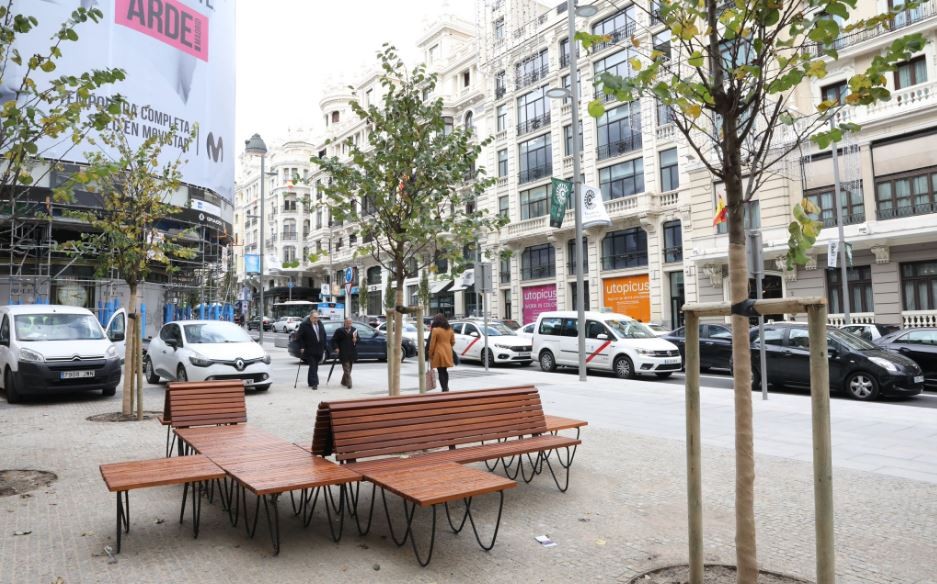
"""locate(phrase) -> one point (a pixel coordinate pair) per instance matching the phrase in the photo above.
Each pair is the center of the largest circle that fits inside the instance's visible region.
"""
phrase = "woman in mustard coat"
(441, 341)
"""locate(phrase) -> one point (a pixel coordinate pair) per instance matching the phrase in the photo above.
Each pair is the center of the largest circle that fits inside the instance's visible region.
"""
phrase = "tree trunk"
(420, 350)
(389, 315)
(129, 377)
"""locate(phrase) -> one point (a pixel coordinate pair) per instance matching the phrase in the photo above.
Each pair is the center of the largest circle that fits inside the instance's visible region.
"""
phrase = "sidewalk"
(624, 512)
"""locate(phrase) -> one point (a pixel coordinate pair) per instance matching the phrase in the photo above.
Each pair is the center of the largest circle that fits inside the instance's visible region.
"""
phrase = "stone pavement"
(625, 511)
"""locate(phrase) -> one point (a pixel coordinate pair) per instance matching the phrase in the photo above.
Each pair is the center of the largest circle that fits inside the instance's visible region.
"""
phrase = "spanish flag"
(722, 212)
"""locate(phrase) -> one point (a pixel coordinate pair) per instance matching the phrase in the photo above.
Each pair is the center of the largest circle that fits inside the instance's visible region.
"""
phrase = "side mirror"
(832, 353)
(116, 336)
(473, 334)
(602, 337)
(172, 343)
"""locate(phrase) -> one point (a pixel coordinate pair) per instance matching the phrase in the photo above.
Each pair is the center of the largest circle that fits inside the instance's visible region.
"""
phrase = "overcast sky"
(290, 50)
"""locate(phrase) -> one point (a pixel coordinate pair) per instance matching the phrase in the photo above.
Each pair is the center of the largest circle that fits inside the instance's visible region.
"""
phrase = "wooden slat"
(205, 403)
(557, 423)
(431, 484)
(139, 474)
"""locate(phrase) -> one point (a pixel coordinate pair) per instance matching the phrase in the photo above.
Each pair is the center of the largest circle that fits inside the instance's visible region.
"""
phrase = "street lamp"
(573, 94)
(256, 147)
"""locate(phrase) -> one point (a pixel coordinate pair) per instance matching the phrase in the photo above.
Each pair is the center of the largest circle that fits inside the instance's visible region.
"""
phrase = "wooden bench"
(203, 403)
(192, 471)
(369, 436)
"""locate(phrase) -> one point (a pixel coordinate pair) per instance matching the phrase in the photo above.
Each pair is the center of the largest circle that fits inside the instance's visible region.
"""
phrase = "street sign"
(483, 276)
(290, 283)
(349, 275)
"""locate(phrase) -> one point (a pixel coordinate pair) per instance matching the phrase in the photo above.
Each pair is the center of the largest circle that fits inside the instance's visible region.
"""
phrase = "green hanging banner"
(560, 194)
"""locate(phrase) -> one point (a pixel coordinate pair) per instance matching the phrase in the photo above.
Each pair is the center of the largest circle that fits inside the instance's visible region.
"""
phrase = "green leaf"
(596, 108)
(696, 59)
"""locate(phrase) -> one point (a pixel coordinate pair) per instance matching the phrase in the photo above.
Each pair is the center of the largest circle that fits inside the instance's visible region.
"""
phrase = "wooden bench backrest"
(398, 425)
(205, 403)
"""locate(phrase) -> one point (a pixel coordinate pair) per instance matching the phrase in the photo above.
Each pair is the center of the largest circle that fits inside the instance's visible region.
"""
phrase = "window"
(499, 29)
(466, 78)
(504, 270)
(533, 111)
(773, 336)
(911, 73)
(374, 275)
(568, 139)
(669, 175)
(433, 53)
(595, 328)
(622, 180)
(318, 218)
(615, 64)
(502, 117)
(624, 249)
(534, 203)
(835, 92)
(673, 241)
(538, 261)
(907, 194)
(568, 86)
(442, 264)
(619, 131)
(918, 338)
(531, 69)
(289, 253)
(500, 85)
(551, 326)
(906, 17)
(564, 52)
(752, 217)
(859, 289)
(662, 42)
(573, 300)
(919, 285)
(851, 203)
(502, 163)
(506, 295)
(470, 121)
(335, 117)
(735, 53)
(619, 26)
(289, 230)
(504, 207)
(664, 114)
(571, 256)
(535, 159)
(448, 124)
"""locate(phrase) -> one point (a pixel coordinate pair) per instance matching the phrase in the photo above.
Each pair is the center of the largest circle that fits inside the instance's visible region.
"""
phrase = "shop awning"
(465, 281)
(437, 287)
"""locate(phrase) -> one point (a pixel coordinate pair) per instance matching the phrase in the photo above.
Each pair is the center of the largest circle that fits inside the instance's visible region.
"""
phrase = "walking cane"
(331, 369)
(298, 367)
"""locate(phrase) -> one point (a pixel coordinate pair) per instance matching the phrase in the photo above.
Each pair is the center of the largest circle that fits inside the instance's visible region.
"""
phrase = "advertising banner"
(537, 299)
(560, 193)
(179, 57)
(251, 263)
(593, 208)
(628, 295)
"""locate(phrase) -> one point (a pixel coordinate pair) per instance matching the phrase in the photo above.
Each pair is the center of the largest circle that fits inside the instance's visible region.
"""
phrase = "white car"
(409, 330)
(47, 348)
(658, 329)
(503, 345)
(614, 342)
(526, 332)
(204, 350)
(287, 324)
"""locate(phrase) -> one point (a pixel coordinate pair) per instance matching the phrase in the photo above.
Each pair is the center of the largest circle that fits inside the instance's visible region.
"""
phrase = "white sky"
(289, 51)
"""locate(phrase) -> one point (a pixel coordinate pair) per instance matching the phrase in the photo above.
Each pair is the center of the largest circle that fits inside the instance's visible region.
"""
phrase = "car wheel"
(623, 367)
(547, 362)
(664, 374)
(151, 376)
(487, 358)
(862, 386)
(261, 387)
(181, 374)
(403, 355)
(12, 391)
(109, 391)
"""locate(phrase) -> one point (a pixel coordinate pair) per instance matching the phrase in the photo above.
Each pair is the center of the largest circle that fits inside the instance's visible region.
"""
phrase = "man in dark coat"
(312, 339)
(344, 341)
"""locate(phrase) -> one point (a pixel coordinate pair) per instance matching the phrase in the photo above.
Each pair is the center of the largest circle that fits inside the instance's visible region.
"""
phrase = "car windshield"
(57, 327)
(630, 329)
(499, 330)
(215, 332)
(850, 341)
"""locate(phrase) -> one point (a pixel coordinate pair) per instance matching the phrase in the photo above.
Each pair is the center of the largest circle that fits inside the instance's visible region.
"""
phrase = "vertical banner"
(629, 295)
(593, 208)
(560, 193)
(537, 299)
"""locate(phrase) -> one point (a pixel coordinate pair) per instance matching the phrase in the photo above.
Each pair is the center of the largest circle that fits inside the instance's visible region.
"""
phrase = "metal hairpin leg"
(494, 536)
(390, 524)
(340, 510)
(409, 510)
(468, 506)
(170, 441)
(566, 466)
(196, 487)
(353, 498)
(123, 515)
(273, 520)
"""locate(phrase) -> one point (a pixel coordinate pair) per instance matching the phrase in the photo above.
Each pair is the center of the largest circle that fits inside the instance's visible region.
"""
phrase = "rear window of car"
(551, 326)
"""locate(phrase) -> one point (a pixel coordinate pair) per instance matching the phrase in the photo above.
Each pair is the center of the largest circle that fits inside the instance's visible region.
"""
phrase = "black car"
(857, 367)
(254, 324)
(371, 344)
(715, 344)
(919, 345)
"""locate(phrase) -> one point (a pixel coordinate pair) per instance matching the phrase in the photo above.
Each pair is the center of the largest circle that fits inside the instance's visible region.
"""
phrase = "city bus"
(300, 308)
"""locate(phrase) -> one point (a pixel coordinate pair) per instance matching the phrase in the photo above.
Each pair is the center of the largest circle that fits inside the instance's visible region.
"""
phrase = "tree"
(134, 188)
(730, 76)
(40, 109)
(412, 189)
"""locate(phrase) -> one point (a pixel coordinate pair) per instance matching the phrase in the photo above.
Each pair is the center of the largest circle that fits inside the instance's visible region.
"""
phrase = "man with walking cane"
(345, 340)
(312, 339)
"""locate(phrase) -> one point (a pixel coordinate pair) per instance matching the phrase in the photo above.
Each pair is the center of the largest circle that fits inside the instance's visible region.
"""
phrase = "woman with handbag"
(441, 341)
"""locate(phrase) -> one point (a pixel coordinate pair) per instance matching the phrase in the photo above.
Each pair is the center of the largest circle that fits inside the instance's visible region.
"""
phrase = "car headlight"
(266, 359)
(111, 353)
(644, 351)
(31, 356)
(885, 364)
(508, 347)
(199, 361)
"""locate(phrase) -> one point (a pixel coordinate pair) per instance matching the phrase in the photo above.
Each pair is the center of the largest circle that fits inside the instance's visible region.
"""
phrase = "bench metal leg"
(340, 511)
(273, 520)
(123, 515)
(390, 524)
(494, 536)
(353, 498)
(409, 510)
(170, 441)
(465, 514)
(569, 461)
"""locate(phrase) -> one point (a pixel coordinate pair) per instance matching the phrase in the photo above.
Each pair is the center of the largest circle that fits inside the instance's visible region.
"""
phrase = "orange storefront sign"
(628, 295)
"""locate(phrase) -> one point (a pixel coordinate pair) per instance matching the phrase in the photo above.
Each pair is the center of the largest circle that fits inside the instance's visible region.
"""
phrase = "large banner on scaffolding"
(179, 56)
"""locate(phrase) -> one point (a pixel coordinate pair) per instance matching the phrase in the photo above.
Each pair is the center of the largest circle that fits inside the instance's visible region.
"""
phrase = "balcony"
(903, 101)
(532, 174)
(501, 136)
(849, 219)
(666, 132)
(538, 272)
(903, 20)
(502, 181)
(839, 319)
(532, 124)
(571, 266)
(673, 254)
(288, 236)
(532, 77)
(500, 91)
(906, 211)
(918, 318)
(620, 147)
(617, 36)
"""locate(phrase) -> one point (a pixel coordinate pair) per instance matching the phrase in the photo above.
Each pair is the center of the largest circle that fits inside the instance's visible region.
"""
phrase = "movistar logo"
(215, 149)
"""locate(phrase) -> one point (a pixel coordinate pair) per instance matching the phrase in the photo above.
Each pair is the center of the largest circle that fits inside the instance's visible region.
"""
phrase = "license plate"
(77, 374)
(671, 361)
(918, 379)
(524, 354)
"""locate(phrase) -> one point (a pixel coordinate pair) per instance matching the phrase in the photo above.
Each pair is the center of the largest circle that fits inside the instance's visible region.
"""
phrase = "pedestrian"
(441, 341)
(312, 341)
(345, 341)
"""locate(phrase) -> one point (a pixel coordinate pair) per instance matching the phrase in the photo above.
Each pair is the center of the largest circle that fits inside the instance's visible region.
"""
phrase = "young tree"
(730, 76)
(412, 188)
(135, 189)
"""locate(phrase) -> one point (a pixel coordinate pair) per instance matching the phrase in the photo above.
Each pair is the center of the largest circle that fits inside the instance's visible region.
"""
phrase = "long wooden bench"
(202, 403)
(439, 433)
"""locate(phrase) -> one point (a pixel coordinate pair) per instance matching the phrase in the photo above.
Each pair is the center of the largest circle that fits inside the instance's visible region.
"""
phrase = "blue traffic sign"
(349, 275)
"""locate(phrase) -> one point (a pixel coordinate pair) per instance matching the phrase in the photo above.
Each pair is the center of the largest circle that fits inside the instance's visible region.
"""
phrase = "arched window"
(470, 121)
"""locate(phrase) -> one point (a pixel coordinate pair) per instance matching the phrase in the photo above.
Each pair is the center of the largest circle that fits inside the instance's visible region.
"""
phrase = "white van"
(614, 342)
(47, 348)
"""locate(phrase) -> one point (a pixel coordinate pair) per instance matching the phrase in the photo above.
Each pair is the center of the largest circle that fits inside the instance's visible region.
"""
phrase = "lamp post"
(256, 147)
(573, 94)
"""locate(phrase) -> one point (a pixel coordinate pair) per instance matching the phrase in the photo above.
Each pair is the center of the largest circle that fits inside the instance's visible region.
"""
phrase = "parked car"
(658, 329)
(919, 345)
(715, 345)
(614, 342)
(375, 320)
(526, 331)
(409, 330)
(287, 324)
(511, 324)
(857, 367)
(503, 345)
(254, 324)
(870, 332)
(204, 350)
(47, 348)
(371, 344)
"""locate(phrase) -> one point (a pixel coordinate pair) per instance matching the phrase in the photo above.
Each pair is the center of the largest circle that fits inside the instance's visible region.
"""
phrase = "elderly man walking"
(313, 339)
(345, 340)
